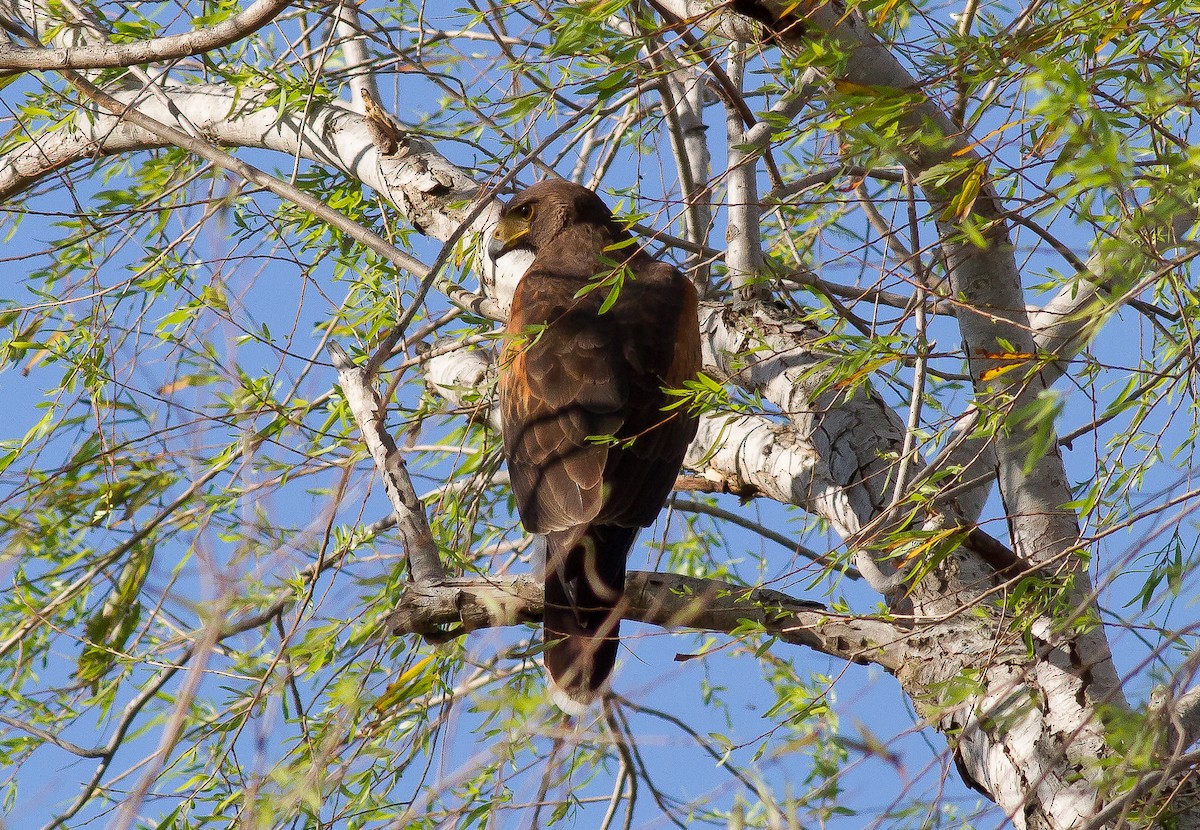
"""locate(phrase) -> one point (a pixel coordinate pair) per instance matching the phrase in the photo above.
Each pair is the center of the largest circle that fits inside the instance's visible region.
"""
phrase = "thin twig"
(50, 737)
(691, 506)
(908, 451)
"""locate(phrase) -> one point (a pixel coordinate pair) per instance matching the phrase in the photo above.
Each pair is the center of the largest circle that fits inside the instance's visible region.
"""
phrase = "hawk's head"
(535, 217)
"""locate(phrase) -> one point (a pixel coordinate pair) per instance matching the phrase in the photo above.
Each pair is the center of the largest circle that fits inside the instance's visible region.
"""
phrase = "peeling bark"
(1031, 736)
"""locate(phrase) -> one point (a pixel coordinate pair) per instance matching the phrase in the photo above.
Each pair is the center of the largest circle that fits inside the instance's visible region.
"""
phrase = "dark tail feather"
(585, 579)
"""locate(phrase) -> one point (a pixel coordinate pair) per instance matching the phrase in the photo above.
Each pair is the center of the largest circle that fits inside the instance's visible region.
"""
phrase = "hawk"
(597, 330)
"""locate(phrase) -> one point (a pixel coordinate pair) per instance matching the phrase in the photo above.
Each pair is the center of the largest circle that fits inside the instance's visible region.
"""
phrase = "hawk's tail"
(585, 581)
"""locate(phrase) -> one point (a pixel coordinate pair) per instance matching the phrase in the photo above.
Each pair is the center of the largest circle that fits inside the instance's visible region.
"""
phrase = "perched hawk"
(597, 330)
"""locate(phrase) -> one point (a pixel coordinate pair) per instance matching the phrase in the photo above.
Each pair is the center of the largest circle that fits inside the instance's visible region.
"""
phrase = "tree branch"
(1187, 712)
(170, 47)
(459, 606)
(417, 539)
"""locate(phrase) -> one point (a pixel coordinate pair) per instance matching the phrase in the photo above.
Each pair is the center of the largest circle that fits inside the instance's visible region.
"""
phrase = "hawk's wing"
(573, 376)
(561, 383)
(665, 352)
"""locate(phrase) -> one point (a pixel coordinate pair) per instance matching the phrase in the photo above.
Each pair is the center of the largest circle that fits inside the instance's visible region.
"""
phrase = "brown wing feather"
(643, 474)
(583, 375)
(561, 386)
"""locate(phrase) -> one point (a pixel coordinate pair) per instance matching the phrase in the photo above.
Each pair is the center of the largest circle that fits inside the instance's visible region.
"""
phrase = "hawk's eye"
(524, 211)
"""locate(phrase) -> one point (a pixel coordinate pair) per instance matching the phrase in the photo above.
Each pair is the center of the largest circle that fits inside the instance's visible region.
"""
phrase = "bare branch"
(683, 108)
(413, 527)
(743, 240)
(352, 40)
(170, 47)
(458, 606)
(50, 737)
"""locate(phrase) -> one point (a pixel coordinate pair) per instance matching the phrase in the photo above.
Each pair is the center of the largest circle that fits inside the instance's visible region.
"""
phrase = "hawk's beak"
(505, 236)
(495, 248)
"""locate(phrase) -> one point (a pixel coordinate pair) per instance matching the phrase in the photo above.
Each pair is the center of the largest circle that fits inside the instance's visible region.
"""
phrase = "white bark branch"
(1063, 327)
(1039, 765)
(1179, 713)
(743, 240)
(683, 95)
(170, 47)
(1187, 712)
(415, 536)
(415, 177)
